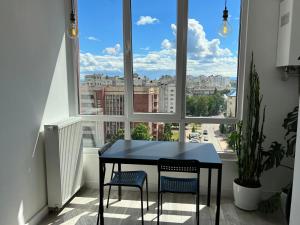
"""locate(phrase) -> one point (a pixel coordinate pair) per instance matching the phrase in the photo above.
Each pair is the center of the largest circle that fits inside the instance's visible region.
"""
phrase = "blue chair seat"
(128, 178)
(178, 185)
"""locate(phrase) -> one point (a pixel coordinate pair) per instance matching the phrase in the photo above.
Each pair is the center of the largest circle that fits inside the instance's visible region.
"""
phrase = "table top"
(148, 152)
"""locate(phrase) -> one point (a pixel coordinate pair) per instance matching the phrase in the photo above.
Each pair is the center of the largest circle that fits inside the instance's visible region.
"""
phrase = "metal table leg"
(217, 222)
(101, 193)
(119, 188)
(209, 187)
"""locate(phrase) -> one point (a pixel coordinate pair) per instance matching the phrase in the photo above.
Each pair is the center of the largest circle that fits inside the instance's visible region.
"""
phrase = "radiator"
(64, 161)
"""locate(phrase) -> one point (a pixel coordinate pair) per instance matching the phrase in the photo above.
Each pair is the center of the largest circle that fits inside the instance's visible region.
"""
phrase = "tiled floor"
(178, 209)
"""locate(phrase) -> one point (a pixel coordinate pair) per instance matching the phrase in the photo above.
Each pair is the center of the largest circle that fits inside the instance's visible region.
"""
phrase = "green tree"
(117, 136)
(193, 129)
(141, 132)
(222, 128)
(167, 135)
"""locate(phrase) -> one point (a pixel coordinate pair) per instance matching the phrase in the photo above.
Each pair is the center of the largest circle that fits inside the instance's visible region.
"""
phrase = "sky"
(154, 37)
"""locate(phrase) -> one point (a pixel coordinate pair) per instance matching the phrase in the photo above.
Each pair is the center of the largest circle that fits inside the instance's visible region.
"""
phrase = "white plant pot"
(246, 198)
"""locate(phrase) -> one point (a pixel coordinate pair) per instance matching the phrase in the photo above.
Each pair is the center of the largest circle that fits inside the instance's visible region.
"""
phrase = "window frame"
(181, 60)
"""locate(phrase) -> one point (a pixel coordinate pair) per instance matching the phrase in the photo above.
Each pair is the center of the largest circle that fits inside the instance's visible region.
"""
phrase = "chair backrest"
(104, 148)
(178, 165)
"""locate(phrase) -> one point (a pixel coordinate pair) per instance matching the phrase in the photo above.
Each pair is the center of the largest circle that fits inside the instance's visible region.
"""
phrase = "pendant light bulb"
(73, 27)
(225, 28)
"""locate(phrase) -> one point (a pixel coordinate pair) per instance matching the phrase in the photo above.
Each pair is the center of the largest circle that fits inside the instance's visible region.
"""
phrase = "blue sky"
(154, 37)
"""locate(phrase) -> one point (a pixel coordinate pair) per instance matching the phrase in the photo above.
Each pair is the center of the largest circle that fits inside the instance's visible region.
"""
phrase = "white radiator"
(64, 161)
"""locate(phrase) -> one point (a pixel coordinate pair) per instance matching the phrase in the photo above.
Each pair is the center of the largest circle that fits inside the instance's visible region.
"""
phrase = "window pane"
(101, 82)
(216, 134)
(212, 60)
(154, 55)
(156, 131)
(95, 134)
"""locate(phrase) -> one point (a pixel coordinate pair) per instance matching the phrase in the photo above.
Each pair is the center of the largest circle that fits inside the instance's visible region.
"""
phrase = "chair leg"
(158, 205)
(142, 208)
(98, 215)
(147, 193)
(108, 196)
(197, 208)
(161, 203)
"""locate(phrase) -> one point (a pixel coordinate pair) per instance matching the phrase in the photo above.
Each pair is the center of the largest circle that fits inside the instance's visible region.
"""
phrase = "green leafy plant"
(141, 132)
(247, 140)
(193, 129)
(290, 125)
(167, 135)
(118, 135)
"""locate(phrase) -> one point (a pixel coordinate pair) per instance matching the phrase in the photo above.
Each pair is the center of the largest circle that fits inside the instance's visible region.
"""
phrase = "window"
(92, 133)
(101, 58)
(154, 53)
(172, 68)
(156, 131)
(216, 134)
(212, 61)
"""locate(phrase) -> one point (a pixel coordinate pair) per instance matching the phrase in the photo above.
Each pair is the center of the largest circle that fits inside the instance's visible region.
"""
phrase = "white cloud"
(204, 56)
(113, 50)
(92, 38)
(144, 20)
(146, 48)
(166, 44)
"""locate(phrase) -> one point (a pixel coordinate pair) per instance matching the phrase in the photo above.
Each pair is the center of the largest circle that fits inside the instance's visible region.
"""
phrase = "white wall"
(33, 91)
(280, 97)
(295, 216)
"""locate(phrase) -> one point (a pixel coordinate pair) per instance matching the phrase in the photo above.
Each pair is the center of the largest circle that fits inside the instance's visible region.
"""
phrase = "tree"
(222, 128)
(141, 132)
(193, 129)
(117, 136)
(167, 135)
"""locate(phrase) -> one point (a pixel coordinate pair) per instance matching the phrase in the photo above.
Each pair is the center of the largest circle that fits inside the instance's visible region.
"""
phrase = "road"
(213, 136)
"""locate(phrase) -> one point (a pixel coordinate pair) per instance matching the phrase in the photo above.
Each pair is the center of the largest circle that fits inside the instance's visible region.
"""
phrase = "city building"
(231, 104)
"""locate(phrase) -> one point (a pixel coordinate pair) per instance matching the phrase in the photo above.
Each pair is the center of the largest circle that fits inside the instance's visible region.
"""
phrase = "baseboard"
(38, 217)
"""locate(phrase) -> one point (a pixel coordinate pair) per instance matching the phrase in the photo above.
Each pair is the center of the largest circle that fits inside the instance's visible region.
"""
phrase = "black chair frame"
(175, 165)
(100, 152)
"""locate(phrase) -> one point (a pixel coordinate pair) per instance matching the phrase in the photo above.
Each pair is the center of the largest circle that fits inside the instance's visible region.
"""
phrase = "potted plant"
(290, 125)
(247, 140)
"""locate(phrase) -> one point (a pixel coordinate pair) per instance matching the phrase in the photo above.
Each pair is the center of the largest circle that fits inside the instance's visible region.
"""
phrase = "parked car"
(194, 140)
(205, 139)
(205, 132)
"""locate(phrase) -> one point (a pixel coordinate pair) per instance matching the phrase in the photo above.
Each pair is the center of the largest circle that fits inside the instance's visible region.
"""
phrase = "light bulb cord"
(72, 15)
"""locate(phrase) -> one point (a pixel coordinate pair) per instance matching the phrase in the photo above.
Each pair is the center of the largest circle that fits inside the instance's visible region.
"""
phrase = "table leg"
(119, 188)
(209, 187)
(101, 193)
(219, 185)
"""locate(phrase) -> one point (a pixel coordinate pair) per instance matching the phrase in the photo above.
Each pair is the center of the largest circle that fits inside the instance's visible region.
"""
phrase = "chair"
(125, 178)
(178, 185)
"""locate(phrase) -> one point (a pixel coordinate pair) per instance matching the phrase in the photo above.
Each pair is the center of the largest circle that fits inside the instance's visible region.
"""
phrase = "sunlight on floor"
(112, 215)
(72, 221)
(65, 210)
(165, 218)
(130, 204)
(181, 207)
(82, 200)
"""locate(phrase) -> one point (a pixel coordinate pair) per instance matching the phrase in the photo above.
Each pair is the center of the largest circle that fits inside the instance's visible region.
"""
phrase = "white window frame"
(181, 59)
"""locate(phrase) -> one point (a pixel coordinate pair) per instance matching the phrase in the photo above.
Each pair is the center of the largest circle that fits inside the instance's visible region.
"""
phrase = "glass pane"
(212, 60)
(95, 134)
(216, 134)
(101, 81)
(156, 131)
(154, 55)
